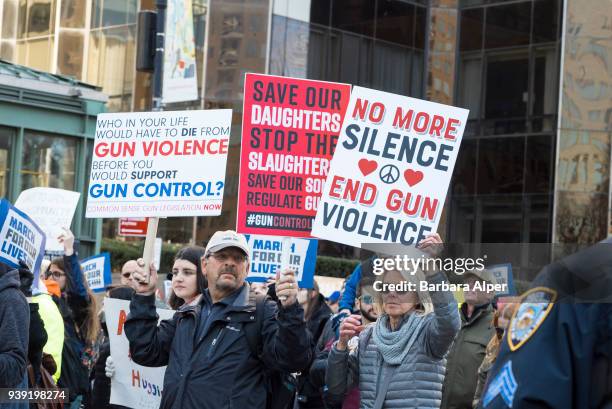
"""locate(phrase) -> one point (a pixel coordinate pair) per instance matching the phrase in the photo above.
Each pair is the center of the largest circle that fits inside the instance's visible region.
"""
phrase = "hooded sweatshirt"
(14, 329)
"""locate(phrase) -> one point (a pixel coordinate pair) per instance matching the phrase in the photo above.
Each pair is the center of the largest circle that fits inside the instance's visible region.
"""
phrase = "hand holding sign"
(67, 240)
(140, 279)
(286, 287)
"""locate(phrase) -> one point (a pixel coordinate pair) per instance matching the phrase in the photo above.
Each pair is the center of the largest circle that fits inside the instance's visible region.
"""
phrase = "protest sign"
(20, 239)
(502, 274)
(51, 209)
(265, 260)
(133, 226)
(159, 164)
(133, 385)
(97, 271)
(289, 132)
(389, 175)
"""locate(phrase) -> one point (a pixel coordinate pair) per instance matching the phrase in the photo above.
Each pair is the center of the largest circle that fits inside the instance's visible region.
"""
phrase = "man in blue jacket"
(557, 350)
(210, 362)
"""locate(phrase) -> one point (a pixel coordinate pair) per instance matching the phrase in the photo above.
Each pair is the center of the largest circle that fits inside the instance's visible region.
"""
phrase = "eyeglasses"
(186, 273)
(223, 257)
(56, 274)
(366, 299)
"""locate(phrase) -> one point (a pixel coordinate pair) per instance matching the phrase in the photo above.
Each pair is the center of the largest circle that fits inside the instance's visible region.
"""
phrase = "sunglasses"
(366, 299)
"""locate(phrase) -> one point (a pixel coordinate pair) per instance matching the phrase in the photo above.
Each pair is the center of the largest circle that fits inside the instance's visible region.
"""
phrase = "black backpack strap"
(252, 331)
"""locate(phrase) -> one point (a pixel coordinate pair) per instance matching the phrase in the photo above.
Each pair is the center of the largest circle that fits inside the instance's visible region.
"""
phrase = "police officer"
(557, 350)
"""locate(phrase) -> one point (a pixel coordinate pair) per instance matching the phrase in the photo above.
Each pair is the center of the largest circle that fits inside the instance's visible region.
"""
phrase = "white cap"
(228, 238)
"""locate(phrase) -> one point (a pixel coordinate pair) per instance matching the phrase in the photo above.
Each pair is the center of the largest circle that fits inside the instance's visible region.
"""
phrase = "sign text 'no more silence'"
(389, 175)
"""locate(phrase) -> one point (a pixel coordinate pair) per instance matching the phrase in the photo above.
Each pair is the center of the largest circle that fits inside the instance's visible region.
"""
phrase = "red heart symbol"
(367, 166)
(413, 176)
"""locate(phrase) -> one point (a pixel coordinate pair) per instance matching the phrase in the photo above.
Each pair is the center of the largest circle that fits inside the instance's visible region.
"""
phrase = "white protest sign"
(390, 171)
(51, 209)
(97, 271)
(159, 164)
(266, 252)
(133, 385)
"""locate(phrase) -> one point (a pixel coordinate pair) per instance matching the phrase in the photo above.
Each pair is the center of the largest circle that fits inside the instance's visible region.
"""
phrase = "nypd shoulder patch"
(535, 305)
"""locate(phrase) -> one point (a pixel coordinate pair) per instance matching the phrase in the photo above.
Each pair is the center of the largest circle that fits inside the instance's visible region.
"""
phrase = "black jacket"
(218, 370)
(14, 327)
(310, 394)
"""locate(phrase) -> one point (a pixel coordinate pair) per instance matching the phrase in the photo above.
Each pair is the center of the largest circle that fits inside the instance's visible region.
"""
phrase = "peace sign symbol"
(389, 174)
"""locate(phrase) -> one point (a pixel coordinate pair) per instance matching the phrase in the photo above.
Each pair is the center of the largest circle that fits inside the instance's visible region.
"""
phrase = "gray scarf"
(394, 345)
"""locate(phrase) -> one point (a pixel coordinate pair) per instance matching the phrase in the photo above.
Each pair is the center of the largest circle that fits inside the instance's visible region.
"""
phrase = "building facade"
(536, 75)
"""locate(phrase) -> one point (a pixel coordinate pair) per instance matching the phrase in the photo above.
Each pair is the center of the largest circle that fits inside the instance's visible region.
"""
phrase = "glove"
(109, 368)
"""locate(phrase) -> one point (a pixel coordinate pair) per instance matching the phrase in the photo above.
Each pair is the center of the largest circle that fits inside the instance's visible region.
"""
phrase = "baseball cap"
(227, 238)
(484, 275)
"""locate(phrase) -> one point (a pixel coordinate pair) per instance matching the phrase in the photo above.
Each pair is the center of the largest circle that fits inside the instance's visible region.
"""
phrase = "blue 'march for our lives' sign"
(266, 254)
(97, 271)
(20, 239)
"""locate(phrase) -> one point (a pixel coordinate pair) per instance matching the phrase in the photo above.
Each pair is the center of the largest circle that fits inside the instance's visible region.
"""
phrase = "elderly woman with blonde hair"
(399, 361)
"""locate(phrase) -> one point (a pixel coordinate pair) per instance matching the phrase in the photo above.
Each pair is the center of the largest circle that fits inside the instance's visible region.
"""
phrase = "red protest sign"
(290, 129)
(133, 226)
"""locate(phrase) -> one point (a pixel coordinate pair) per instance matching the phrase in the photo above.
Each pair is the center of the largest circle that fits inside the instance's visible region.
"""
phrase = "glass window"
(320, 12)
(470, 86)
(545, 84)
(70, 54)
(395, 22)
(500, 165)
(9, 19)
(507, 91)
(539, 163)
(391, 68)
(545, 20)
(464, 174)
(6, 138)
(420, 29)
(40, 17)
(48, 161)
(110, 66)
(354, 15)
(39, 52)
(114, 12)
(508, 25)
(538, 214)
(501, 219)
(72, 13)
(471, 29)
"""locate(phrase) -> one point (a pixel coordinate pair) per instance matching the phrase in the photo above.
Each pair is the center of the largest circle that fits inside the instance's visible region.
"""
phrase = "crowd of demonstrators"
(468, 350)
(241, 342)
(205, 346)
(316, 315)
